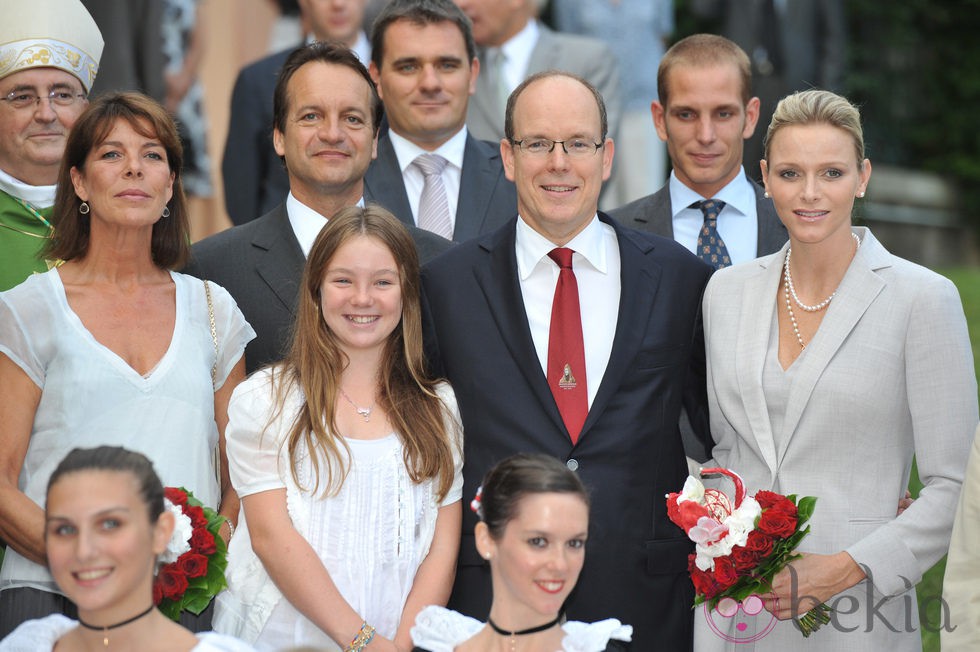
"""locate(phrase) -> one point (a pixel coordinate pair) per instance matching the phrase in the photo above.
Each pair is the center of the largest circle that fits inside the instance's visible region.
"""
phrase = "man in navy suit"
(254, 178)
(423, 59)
(705, 113)
(488, 324)
(326, 128)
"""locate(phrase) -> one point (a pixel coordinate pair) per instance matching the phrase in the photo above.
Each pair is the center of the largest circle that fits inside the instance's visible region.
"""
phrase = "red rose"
(777, 524)
(175, 495)
(193, 564)
(744, 559)
(767, 499)
(202, 542)
(686, 513)
(196, 514)
(173, 582)
(157, 591)
(759, 544)
(704, 583)
(725, 573)
(777, 502)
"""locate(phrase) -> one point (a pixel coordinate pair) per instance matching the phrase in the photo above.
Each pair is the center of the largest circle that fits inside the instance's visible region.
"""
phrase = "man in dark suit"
(423, 59)
(254, 178)
(326, 127)
(704, 114)
(599, 387)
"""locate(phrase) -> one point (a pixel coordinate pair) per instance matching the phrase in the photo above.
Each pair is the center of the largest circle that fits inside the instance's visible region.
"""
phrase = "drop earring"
(166, 212)
(83, 208)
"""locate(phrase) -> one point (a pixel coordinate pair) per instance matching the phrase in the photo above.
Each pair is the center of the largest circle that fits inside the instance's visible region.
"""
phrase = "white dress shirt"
(596, 264)
(306, 222)
(452, 150)
(738, 222)
(517, 54)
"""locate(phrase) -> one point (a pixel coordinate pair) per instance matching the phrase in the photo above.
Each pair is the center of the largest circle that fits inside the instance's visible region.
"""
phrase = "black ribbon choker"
(522, 632)
(105, 628)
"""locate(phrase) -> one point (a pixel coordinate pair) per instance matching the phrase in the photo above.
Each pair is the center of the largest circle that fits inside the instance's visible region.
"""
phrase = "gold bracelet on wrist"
(364, 636)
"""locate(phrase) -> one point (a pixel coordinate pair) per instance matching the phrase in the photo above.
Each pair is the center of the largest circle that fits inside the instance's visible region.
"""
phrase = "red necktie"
(566, 348)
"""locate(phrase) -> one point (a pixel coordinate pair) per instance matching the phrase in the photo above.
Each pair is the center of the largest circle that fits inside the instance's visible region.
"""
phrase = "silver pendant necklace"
(363, 411)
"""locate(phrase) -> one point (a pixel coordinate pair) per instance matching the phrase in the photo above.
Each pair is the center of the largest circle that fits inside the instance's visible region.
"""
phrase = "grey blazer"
(487, 199)
(584, 56)
(653, 214)
(888, 374)
(260, 263)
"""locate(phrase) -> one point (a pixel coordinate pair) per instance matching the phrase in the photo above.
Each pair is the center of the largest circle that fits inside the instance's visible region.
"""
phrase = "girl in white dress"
(346, 457)
(534, 520)
(105, 524)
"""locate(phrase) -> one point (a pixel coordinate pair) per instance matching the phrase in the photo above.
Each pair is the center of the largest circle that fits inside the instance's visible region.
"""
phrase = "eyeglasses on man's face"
(576, 147)
(23, 99)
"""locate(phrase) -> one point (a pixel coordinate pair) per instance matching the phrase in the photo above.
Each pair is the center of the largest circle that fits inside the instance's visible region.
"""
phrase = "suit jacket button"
(572, 464)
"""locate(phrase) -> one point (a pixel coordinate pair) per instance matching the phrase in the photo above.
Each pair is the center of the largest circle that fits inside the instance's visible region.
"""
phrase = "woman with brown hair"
(347, 458)
(112, 346)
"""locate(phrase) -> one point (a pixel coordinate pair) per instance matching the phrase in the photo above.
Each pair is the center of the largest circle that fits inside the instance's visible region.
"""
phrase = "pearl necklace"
(788, 289)
(792, 290)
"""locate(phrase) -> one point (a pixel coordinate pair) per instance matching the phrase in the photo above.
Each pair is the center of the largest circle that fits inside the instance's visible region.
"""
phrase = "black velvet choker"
(522, 632)
(105, 628)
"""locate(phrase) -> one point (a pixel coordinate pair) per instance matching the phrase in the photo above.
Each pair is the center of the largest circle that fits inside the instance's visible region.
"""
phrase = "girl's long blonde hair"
(315, 362)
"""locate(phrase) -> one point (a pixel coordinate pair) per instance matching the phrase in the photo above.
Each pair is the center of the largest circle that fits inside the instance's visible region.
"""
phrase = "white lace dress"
(40, 635)
(438, 629)
(371, 536)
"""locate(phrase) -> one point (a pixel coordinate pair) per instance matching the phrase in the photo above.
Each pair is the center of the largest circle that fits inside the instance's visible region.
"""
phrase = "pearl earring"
(766, 195)
(861, 194)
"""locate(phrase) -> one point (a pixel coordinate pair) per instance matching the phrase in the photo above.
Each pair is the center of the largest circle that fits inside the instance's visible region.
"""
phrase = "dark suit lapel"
(639, 284)
(771, 232)
(279, 258)
(476, 185)
(384, 184)
(501, 288)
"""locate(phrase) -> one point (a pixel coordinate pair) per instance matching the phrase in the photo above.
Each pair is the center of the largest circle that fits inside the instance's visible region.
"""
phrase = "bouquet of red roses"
(741, 545)
(193, 566)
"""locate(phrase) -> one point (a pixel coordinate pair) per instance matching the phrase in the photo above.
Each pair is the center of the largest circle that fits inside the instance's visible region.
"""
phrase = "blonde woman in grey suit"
(830, 364)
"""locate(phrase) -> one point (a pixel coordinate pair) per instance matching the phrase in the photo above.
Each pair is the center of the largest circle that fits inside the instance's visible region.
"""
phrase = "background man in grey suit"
(508, 32)
(326, 126)
(704, 114)
(424, 62)
(255, 180)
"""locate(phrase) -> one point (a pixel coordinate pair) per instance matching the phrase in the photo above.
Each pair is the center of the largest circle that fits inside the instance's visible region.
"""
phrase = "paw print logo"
(740, 622)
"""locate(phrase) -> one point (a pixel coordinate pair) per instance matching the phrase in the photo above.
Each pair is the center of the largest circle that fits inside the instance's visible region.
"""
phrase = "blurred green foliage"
(915, 72)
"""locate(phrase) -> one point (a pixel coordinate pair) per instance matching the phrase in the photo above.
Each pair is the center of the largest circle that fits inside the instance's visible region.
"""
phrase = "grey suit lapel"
(858, 290)
(751, 344)
(280, 259)
(482, 111)
(542, 56)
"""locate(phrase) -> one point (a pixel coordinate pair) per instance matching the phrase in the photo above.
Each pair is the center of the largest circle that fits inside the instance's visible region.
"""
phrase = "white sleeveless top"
(91, 397)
